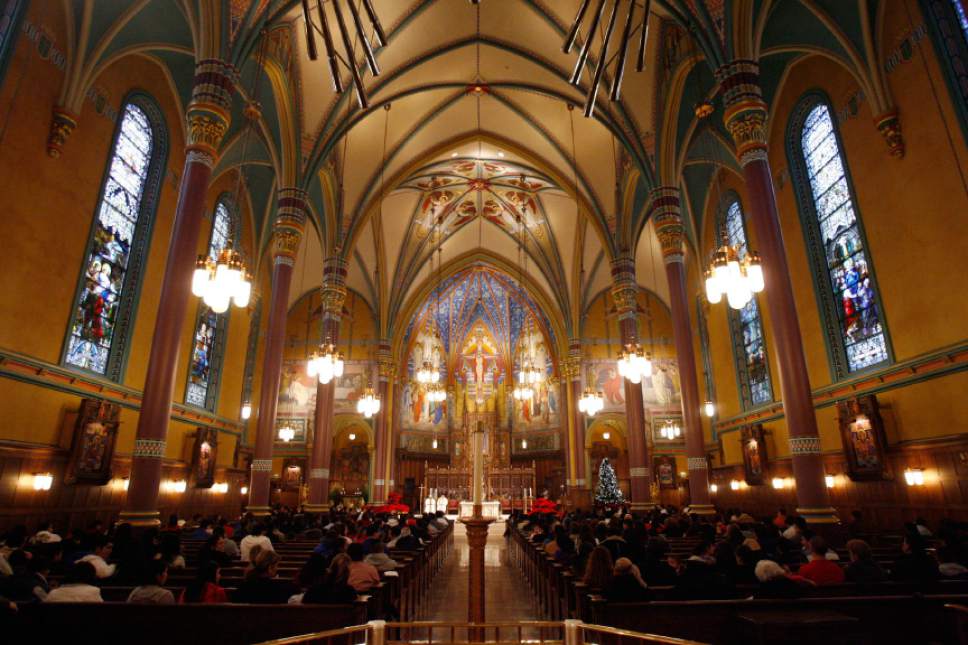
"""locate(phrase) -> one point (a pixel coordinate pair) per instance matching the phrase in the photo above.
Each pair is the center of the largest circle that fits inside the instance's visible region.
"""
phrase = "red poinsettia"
(544, 506)
(393, 505)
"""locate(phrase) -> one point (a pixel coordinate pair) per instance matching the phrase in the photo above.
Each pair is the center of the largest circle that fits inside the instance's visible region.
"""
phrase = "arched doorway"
(352, 456)
(607, 437)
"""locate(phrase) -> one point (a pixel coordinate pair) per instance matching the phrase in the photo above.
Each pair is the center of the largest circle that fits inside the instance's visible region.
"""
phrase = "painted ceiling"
(513, 149)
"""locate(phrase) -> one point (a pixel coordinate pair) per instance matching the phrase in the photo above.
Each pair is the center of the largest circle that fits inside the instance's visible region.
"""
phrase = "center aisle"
(506, 595)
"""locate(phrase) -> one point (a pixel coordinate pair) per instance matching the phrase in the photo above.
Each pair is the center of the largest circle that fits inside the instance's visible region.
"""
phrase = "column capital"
(384, 361)
(209, 112)
(625, 289)
(746, 113)
(889, 125)
(291, 209)
(666, 212)
(333, 291)
(62, 124)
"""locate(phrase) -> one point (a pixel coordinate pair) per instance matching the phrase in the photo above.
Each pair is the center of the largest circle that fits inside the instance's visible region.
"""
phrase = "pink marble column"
(287, 232)
(208, 118)
(573, 383)
(625, 294)
(333, 296)
(746, 118)
(384, 371)
(665, 211)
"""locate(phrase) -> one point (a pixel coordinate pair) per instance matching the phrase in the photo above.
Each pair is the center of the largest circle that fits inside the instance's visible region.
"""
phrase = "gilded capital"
(333, 292)
(625, 290)
(746, 113)
(287, 230)
(666, 213)
(208, 113)
(889, 125)
(62, 124)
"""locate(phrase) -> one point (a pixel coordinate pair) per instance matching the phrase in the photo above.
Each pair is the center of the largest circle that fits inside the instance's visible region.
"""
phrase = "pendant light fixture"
(670, 430)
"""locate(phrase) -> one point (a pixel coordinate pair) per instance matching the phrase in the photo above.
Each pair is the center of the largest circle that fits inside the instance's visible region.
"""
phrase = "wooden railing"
(568, 632)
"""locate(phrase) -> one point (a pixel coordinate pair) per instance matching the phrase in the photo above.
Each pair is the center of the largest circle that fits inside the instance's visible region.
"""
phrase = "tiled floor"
(506, 598)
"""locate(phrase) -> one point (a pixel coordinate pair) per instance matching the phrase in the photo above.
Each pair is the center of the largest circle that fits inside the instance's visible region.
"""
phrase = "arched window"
(846, 288)
(114, 261)
(208, 342)
(948, 24)
(746, 325)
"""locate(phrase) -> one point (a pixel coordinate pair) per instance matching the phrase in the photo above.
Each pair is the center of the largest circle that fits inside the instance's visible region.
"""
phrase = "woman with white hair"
(777, 582)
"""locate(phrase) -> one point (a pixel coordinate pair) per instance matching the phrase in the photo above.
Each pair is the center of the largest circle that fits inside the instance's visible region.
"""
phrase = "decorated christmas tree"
(607, 491)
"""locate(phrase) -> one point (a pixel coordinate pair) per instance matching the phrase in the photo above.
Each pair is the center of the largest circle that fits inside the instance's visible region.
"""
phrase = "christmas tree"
(607, 491)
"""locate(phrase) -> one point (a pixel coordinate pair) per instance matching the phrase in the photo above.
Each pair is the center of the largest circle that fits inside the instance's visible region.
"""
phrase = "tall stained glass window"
(746, 325)
(947, 22)
(209, 339)
(108, 288)
(845, 281)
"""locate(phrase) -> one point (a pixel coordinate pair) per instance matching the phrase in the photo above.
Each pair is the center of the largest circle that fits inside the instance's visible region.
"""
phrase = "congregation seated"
(78, 586)
(332, 588)
(258, 538)
(863, 569)
(152, 590)
(205, 587)
(378, 558)
(626, 583)
(261, 584)
(363, 576)
(98, 559)
(777, 582)
(820, 569)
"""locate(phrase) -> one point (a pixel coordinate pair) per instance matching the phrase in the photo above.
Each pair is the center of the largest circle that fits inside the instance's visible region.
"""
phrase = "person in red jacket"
(819, 569)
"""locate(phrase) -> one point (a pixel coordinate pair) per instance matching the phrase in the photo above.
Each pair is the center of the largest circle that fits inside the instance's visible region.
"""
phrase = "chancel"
(484, 321)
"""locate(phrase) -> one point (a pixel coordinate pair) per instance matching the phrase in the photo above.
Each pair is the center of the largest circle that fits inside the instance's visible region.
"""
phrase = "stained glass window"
(947, 23)
(846, 283)
(962, 17)
(103, 306)
(209, 335)
(746, 325)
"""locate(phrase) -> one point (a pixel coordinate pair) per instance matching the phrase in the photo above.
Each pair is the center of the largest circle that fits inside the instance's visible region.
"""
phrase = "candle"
(478, 466)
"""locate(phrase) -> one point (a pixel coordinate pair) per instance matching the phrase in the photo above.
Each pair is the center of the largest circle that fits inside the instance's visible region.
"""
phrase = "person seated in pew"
(862, 568)
(699, 578)
(45, 534)
(214, 551)
(914, 564)
(256, 537)
(335, 588)
(98, 559)
(205, 588)
(169, 550)
(626, 583)
(379, 559)
(441, 520)
(407, 541)
(777, 582)
(615, 543)
(261, 586)
(599, 569)
(152, 591)
(363, 575)
(78, 585)
(658, 571)
(29, 580)
(819, 569)
(948, 565)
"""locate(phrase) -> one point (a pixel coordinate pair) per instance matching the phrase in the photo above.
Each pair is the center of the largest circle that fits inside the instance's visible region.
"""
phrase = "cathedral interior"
(655, 245)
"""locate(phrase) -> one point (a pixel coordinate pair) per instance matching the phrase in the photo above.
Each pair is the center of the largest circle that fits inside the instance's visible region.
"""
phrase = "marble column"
(665, 213)
(287, 232)
(625, 294)
(208, 117)
(380, 427)
(333, 296)
(746, 117)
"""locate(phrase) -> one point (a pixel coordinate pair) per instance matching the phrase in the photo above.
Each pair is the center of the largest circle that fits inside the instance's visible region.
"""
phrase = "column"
(581, 494)
(746, 119)
(385, 367)
(666, 214)
(208, 117)
(286, 234)
(625, 294)
(333, 297)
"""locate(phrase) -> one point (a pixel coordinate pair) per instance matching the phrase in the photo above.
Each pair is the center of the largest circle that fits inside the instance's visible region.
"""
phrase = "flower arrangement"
(544, 506)
(393, 505)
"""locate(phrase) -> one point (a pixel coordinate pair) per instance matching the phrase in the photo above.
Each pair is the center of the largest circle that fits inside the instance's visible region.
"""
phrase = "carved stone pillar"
(625, 294)
(333, 297)
(666, 214)
(746, 119)
(286, 235)
(208, 119)
(385, 369)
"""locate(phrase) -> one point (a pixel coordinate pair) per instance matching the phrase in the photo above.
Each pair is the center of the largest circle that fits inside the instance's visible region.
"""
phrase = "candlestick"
(478, 467)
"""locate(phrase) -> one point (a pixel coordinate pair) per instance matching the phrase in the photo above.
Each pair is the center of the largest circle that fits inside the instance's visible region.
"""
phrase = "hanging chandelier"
(436, 393)
(287, 433)
(670, 430)
(217, 281)
(522, 390)
(325, 364)
(736, 278)
(634, 363)
(368, 404)
(591, 402)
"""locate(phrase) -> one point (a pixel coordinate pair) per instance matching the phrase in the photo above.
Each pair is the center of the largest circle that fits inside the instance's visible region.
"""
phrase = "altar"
(489, 510)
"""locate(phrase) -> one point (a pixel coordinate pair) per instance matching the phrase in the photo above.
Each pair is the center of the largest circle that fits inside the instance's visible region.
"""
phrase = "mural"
(297, 390)
(662, 389)
(603, 376)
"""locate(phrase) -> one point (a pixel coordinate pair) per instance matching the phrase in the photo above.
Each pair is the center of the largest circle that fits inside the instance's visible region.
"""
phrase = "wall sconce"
(220, 487)
(246, 410)
(352, 436)
(606, 435)
(734, 484)
(914, 476)
(779, 483)
(244, 490)
(524, 444)
(179, 486)
(43, 481)
(830, 480)
(709, 409)
(713, 488)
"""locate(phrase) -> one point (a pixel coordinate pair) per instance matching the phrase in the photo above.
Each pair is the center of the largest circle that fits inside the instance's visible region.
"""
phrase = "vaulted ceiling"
(469, 120)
